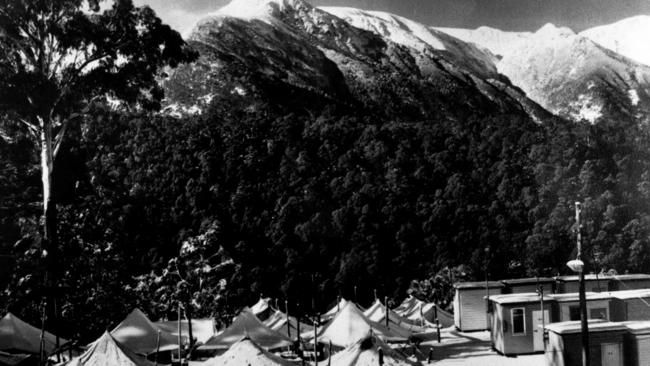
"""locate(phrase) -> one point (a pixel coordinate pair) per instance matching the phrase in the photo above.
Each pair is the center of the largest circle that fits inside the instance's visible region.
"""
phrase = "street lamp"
(578, 266)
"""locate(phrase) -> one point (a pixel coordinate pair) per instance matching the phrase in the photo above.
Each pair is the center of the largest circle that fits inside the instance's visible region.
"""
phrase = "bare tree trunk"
(49, 244)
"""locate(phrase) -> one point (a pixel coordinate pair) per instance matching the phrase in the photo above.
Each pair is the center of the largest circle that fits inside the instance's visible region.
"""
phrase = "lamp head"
(576, 265)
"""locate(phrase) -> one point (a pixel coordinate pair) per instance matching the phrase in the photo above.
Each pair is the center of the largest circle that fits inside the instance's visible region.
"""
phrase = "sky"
(511, 15)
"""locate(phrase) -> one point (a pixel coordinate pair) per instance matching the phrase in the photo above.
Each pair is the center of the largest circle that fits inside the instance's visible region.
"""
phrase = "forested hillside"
(365, 169)
(297, 205)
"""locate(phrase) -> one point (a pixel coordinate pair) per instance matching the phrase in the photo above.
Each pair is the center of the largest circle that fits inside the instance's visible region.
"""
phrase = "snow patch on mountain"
(634, 96)
(629, 37)
(496, 41)
(420, 38)
(255, 9)
(398, 29)
(585, 108)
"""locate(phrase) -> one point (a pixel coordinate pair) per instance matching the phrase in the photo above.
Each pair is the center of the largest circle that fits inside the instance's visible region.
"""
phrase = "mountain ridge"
(304, 47)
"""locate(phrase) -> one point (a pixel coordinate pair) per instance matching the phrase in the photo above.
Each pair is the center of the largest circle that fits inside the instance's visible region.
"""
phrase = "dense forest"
(215, 210)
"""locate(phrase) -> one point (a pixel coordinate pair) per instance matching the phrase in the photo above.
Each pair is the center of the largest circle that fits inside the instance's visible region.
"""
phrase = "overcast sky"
(518, 15)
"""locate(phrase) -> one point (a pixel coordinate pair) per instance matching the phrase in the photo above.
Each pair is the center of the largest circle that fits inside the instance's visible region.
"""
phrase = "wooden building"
(527, 285)
(565, 343)
(470, 305)
(633, 281)
(636, 343)
(516, 323)
(630, 305)
(568, 306)
(570, 284)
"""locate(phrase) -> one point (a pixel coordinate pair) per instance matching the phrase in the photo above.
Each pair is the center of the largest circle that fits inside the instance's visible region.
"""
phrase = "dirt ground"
(457, 348)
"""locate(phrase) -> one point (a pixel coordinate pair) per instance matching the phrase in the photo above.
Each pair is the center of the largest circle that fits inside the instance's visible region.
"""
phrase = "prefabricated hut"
(527, 285)
(571, 284)
(630, 305)
(568, 306)
(516, 322)
(636, 343)
(634, 281)
(565, 343)
(470, 306)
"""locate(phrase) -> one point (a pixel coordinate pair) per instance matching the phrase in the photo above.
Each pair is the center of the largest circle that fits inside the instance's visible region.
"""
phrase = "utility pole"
(577, 265)
(487, 289)
(541, 304)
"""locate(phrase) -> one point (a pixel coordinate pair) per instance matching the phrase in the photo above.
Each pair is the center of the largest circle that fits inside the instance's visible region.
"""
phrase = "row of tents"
(344, 327)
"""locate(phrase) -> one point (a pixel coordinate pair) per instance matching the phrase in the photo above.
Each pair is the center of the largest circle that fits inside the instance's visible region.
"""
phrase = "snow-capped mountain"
(420, 39)
(629, 37)
(278, 48)
(498, 42)
(569, 74)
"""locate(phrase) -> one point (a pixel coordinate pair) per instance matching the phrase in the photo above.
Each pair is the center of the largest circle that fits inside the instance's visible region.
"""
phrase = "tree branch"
(58, 140)
(30, 127)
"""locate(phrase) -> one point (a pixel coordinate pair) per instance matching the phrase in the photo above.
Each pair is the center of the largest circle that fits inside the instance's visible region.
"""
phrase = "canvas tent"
(107, 351)
(247, 325)
(246, 353)
(278, 322)
(419, 312)
(350, 325)
(366, 353)
(17, 359)
(331, 313)
(202, 329)
(262, 308)
(140, 335)
(377, 313)
(18, 336)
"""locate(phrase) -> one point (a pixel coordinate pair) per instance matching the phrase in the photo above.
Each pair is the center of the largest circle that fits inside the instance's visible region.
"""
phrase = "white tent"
(419, 312)
(202, 329)
(246, 353)
(377, 313)
(350, 325)
(17, 335)
(247, 325)
(262, 308)
(278, 322)
(366, 353)
(107, 351)
(331, 313)
(140, 335)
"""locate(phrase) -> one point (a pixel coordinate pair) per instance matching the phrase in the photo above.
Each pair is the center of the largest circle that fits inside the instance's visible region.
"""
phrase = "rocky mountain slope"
(567, 73)
(282, 51)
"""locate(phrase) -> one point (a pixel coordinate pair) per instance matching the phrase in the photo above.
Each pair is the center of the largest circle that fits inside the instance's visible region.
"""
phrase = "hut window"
(598, 313)
(518, 321)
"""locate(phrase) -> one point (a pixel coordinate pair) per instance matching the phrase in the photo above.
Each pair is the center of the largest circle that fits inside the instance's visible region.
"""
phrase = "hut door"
(538, 332)
(611, 354)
